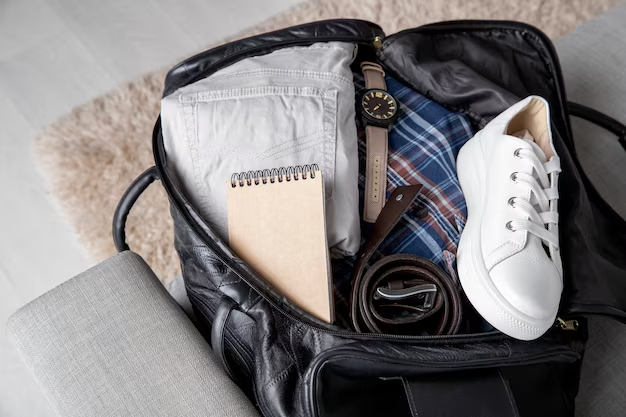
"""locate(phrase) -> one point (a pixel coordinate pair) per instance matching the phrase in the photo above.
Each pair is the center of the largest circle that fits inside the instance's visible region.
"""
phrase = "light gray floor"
(55, 55)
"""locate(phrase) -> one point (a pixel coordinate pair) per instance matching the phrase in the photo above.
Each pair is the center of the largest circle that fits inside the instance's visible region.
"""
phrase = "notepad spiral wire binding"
(272, 175)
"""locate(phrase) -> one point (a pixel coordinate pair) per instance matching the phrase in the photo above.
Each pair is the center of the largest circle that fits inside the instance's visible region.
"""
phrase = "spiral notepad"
(276, 224)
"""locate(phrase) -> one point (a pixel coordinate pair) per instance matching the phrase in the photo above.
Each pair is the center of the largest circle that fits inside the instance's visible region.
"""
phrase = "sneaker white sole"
(473, 274)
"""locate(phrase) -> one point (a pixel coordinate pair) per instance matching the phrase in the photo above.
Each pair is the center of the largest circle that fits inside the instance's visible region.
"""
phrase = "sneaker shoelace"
(543, 217)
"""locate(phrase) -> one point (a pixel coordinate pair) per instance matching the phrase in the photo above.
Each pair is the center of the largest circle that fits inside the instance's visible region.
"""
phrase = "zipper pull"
(566, 325)
(378, 42)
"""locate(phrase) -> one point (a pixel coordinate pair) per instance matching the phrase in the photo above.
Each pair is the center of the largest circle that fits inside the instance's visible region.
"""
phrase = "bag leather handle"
(127, 202)
(218, 329)
(600, 119)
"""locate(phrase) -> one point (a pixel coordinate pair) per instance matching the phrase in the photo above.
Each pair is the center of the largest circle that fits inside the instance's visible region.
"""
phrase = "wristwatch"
(379, 110)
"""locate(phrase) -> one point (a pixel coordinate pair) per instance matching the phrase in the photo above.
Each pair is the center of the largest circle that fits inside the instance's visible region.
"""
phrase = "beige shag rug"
(91, 155)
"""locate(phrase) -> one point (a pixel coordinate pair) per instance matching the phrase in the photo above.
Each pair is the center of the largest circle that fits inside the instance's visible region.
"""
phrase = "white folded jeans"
(294, 106)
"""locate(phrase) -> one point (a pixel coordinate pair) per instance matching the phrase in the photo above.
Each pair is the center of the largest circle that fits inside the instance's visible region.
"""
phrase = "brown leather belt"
(402, 293)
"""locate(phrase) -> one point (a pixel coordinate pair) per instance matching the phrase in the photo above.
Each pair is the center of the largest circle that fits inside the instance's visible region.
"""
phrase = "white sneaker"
(508, 257)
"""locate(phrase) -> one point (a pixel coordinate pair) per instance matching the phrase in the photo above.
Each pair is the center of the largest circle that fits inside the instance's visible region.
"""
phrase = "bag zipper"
(566, 324)
(378, 42)
(342, 353)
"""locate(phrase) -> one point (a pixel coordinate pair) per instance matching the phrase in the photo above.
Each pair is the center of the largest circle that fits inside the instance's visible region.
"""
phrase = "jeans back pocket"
(256, 128)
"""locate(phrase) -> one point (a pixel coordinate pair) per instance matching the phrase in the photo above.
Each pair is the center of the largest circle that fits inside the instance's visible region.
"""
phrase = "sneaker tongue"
(525, 134)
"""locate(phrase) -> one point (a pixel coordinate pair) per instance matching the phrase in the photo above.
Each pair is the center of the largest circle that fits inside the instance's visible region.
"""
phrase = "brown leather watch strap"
(401, 272)
(374, 75)
(375, 172)
(376, 145)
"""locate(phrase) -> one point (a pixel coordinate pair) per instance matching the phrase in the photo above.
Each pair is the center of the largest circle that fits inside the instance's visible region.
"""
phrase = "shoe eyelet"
(509, 227)
(513, 177)
(512, 202)
(517, 153)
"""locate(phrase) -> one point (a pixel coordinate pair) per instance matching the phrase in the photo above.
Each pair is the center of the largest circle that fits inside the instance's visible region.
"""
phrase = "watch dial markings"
(378, 104)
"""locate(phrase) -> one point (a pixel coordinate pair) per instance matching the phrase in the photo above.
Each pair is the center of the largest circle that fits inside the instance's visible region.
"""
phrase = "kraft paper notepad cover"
(279, 230)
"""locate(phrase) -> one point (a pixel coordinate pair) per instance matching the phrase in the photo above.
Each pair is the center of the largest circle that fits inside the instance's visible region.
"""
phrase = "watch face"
(379, 105)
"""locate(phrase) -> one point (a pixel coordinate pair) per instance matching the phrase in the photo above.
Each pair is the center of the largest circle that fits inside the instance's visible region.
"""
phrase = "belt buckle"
(425, 295)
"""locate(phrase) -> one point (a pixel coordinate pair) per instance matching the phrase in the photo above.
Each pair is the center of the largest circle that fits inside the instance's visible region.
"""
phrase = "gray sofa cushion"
(112, 342)
(593, 59)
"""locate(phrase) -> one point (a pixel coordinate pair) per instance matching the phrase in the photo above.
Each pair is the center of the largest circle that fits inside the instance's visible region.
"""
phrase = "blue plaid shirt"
(423, 145)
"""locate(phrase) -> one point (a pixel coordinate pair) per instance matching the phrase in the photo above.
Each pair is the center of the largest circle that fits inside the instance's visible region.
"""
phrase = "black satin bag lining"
(458, 70)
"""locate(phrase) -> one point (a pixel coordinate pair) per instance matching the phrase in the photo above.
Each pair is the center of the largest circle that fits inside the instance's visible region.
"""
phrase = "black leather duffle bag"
(292, 364)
